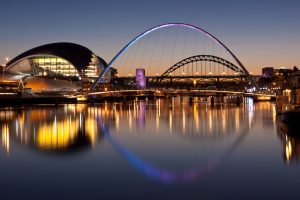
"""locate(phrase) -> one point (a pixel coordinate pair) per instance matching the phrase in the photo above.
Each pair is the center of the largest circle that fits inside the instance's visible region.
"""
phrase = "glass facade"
(44, 66)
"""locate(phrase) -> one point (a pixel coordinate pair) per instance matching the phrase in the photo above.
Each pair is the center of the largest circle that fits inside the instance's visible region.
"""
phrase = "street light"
(3, 67)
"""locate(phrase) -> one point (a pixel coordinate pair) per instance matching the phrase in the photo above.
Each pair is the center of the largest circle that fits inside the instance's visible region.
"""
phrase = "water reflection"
(49, 128)
(5, 138)
(168, 140)
(289, 135)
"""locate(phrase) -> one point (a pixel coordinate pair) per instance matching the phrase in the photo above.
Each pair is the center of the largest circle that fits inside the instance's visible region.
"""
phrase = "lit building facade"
(56, 61)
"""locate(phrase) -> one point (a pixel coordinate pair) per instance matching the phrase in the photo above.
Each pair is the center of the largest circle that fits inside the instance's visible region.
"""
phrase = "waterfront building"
(55, 66)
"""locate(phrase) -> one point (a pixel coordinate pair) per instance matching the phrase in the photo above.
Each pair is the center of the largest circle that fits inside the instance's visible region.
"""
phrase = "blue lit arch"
(172, 25)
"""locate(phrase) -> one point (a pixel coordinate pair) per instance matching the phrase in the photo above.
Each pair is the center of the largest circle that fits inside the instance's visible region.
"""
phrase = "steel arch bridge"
(185, 25)
(200, 58)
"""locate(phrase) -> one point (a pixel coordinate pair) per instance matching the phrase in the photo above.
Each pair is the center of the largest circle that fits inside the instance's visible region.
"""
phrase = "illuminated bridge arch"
(199, 58)
(216, 40)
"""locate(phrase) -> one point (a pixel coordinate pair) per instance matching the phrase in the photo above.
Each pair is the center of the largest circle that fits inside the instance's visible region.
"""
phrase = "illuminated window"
(56, 65)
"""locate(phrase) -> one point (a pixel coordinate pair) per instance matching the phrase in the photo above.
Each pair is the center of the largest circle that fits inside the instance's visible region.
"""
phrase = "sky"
(259, 32)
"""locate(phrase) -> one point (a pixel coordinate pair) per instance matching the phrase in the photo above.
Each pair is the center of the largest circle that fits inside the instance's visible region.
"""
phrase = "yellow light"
(58, 135)
(288, 150)
(263, 98)
(91, 129)
(5, 138)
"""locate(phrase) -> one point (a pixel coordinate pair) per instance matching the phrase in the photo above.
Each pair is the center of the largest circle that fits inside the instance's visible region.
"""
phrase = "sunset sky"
(259, 32)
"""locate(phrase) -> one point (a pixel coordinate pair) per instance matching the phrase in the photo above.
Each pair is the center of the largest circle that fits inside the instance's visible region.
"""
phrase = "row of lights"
(183, 73)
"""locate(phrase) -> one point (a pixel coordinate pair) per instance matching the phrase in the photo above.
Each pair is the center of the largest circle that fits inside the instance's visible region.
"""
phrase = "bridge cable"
(194, 49)
(143, 52)
(163, 49)
(136, 52)
(153, 50)
(174, 45)
(184, 47)
(129, 54)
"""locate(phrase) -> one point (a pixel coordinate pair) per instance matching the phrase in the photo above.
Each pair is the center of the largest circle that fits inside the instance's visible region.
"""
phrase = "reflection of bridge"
(171, 176)
(59, 131)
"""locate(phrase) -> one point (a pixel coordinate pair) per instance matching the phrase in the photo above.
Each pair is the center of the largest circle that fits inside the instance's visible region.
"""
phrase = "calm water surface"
(163, 149)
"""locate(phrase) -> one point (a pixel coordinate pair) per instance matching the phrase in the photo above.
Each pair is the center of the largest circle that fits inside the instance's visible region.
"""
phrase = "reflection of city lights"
(183, 120)
(288, 150)
(210, 122)
(237, 120)
(57, 135)
(51, 129)
(157, 114)
(5, 138)
(170, 121)
(223, 114)
(91, 130)
(117, 120)
(130, 119)
(196, 117)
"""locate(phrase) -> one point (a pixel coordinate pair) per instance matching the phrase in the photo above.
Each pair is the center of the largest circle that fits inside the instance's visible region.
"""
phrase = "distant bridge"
(211, 72)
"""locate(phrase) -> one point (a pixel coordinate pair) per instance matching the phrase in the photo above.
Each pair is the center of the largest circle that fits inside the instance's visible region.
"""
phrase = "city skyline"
(260, 33)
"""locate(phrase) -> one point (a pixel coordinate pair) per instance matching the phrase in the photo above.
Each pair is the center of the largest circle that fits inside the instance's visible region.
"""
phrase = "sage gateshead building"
(55, 66)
